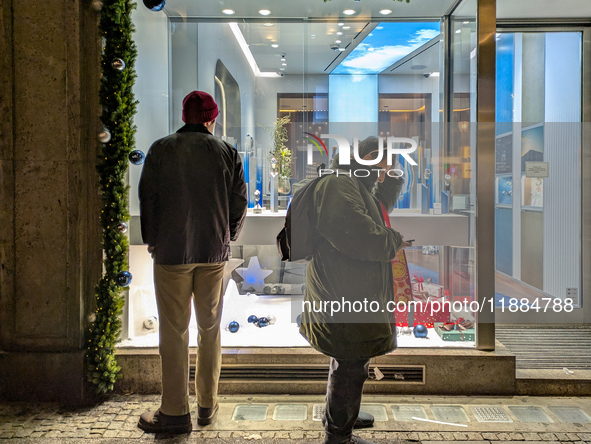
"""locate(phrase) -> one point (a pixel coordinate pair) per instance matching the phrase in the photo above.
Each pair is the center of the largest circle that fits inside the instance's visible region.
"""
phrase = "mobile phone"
(410, 241)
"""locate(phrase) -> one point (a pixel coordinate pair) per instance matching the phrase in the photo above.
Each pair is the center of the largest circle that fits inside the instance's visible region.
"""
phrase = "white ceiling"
(306, 43)
(506, 9)
(307, 47)
(307, 8)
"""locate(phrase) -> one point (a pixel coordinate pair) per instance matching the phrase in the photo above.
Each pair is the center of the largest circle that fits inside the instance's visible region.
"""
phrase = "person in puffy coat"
(351, 266)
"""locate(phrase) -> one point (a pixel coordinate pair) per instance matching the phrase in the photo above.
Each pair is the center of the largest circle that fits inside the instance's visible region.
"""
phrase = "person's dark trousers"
(343, 398)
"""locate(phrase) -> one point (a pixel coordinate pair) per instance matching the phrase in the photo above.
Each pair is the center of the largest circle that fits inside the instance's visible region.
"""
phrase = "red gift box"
(428, 313)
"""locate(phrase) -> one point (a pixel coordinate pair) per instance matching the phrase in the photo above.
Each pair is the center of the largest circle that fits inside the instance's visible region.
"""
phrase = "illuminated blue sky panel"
(385, 45)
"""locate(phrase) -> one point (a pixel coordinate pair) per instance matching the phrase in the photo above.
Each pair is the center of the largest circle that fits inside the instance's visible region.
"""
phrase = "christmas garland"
(117, 138)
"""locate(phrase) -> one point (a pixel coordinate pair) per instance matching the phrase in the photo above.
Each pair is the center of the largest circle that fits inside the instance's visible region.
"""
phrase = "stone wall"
(50, 249)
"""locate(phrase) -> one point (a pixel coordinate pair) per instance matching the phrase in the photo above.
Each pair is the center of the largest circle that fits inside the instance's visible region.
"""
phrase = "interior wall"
(151, 88)
(562, 190)
(217, 41)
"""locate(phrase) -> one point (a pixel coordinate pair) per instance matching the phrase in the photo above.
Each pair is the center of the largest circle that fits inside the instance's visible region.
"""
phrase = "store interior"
(357, 78)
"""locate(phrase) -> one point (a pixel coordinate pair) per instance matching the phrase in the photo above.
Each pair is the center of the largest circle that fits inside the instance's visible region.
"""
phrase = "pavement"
(286, 419)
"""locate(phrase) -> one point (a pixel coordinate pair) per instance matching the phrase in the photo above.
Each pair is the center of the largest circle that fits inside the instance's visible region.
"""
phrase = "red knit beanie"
(199, 107)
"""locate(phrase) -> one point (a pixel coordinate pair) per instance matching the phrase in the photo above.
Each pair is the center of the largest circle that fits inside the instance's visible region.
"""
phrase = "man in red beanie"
(192, 204)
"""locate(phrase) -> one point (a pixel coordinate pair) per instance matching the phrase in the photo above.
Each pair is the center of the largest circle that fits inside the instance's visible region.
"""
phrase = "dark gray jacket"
(192, 197)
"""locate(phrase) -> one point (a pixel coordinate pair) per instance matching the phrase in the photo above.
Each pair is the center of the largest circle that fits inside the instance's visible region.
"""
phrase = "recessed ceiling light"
(386, 11)
(268, 24)
(228, 11)
(458, 31)
(349, 12)
(339, 33)
(275, 45)
(346, 27)
(342, 49)
(435, 74)
(284, 64)
(337, 41)
(341, 24)
(283, 59)
(466, 22)
(264, 12)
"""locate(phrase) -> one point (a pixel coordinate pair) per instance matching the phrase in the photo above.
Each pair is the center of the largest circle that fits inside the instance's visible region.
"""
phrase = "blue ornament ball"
(137, 157)
(252, 319)
(124, 278)
(420, 331)
(299, 320)
(155, 5)
(262, 322)
(233, 327)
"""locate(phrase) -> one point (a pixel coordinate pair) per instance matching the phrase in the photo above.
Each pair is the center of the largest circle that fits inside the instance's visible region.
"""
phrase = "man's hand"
(151, 251)
(405, 244)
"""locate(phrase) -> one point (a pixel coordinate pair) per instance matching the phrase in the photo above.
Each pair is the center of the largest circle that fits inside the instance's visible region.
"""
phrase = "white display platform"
(284, 333)
(426, 229)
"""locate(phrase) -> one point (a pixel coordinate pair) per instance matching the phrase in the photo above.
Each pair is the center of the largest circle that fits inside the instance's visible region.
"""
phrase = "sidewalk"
(286, 419)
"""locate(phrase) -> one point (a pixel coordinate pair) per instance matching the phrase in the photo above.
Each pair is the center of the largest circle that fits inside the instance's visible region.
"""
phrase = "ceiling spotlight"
(284, 64)
(349, 12)
(339, 33)
(458, 31)
(264, 12)
(386, 11)
(228, 11)
(283, 59)
(337, 41)
(268, 24)
(346, 27)
(466, 22)
(275, 45)
(342, 49)
(341, 24)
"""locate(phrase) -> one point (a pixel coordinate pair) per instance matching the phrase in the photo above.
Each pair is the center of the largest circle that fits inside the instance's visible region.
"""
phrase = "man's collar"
(194, 128)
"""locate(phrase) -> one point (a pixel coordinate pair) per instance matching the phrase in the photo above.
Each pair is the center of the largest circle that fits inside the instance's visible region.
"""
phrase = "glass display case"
(310, 81)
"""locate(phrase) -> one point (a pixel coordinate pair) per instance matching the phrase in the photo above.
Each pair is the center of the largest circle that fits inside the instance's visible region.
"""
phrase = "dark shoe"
(363, 421)
(158, 422)
(205, 416)
(357, 440)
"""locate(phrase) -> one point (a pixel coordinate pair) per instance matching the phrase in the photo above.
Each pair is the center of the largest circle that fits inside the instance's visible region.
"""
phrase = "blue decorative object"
(299, 320)
(124, 278)
(137, 157)
(420, 331)
(233, 327)
(262, 322)
(252, 319)
(154, 5)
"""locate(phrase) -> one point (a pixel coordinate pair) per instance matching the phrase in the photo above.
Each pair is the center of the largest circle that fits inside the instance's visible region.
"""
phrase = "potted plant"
(281, 153)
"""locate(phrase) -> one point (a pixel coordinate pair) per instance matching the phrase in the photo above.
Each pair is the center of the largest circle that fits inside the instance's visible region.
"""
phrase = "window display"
(283, 92)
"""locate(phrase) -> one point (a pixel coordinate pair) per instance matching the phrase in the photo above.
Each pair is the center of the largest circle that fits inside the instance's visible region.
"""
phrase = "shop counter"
(426, 229)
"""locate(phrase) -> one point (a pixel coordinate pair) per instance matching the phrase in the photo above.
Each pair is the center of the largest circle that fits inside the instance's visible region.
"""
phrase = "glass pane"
(282, 87)
(539, 114)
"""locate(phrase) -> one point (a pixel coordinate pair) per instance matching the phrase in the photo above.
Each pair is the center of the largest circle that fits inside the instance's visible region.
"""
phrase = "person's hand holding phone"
(406, 243)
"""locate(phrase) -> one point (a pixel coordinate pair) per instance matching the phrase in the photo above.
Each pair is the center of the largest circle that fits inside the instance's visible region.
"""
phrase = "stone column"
(50, 249)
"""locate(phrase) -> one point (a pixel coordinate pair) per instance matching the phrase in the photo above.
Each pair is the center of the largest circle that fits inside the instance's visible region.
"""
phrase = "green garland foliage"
(119, 108)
